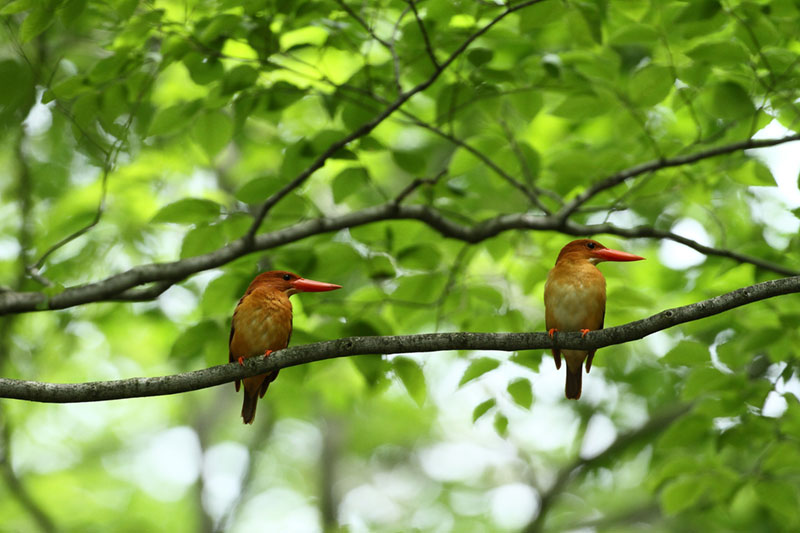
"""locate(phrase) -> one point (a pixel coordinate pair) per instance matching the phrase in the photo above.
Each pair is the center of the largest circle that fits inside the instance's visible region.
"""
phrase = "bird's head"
(290, 283)
(594, 252)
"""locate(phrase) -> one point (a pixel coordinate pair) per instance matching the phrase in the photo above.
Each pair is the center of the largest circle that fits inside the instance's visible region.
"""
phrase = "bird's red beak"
(309, 285)
(607, 254)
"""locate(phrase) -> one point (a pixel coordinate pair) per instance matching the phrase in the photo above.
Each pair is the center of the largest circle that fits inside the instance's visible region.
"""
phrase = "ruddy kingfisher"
(575, 300)
(262, 324)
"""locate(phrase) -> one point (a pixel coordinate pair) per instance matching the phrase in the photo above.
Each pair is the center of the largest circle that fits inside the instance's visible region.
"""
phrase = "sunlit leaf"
(482, 408)
(188, 211)
(477, 368)
(412, 377)
(520, 390)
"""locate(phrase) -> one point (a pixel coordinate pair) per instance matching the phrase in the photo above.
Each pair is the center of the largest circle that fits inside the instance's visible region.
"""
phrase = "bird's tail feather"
(572, 388)
(249, 406)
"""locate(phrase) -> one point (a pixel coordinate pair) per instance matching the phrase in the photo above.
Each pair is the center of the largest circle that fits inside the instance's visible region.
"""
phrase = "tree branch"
(654, 426)
(426, 342)
(117, 287)
(619, 177)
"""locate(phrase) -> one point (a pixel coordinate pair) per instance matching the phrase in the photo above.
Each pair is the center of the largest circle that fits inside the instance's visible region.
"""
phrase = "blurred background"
(138, 132)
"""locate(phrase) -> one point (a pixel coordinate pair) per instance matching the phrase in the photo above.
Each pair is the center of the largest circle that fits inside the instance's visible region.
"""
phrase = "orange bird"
(262, 324)
(575, 300)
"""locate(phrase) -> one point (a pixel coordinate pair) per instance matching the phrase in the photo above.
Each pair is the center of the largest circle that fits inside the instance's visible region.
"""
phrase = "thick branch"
(426, 342)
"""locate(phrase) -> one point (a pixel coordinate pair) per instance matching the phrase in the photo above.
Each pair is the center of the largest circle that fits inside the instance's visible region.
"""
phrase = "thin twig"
(424, 33)
(658, 164)
(108, 165)
(417, 183)
(654, 426)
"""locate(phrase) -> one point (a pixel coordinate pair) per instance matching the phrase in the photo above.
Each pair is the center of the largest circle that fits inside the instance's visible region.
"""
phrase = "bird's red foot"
(266, 354)
(584, 332)
(241, 360)
(551, 331)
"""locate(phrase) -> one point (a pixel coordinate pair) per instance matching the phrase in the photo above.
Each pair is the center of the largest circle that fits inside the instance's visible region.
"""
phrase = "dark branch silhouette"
(426, 342)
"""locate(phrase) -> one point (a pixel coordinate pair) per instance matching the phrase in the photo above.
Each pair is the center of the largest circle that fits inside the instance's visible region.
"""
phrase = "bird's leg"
(266, 354)
(241, 360)
(584, 332)
(552, 331)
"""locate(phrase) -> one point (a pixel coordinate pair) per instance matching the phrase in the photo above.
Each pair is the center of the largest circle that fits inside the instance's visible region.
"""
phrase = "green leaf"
(753, 172)
(688, 431)
(205, 339)
(257, 190)
(479, 56)
(704, 380)
(219, 26)
(482, 408)
(372, 368)
(420, 257)
(380, 267)
(412, 377)
(67, 89)
(171, 119)
(681, 494)
(412, 161)
(580, 107)
(239, 78)
(528, 358)
(477, 368)
(719, 53)
(783, 459)
(688, 353)
(108, 68)
(728, 100)
(18, 6)
(202, 240)
(781, 498)
(213, 130)
(202, 69)
(540, 15)
(221, 294)
(37, 21)
(501, 424)
(520, 390)
(650, 85)
(349, 181)
(188, 211)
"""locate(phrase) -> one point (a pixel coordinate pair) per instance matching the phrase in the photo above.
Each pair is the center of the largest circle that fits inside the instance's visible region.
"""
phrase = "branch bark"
(426, 342)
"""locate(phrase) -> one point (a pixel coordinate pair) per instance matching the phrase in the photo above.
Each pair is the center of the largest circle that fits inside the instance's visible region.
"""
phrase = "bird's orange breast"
(262, 321)
(575, 298)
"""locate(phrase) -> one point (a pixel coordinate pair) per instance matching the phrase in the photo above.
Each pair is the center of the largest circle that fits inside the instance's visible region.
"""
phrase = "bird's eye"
(590, 245)
(286, 277)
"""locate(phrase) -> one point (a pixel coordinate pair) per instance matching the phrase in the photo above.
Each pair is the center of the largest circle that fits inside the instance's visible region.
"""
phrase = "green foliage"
(175, 121)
